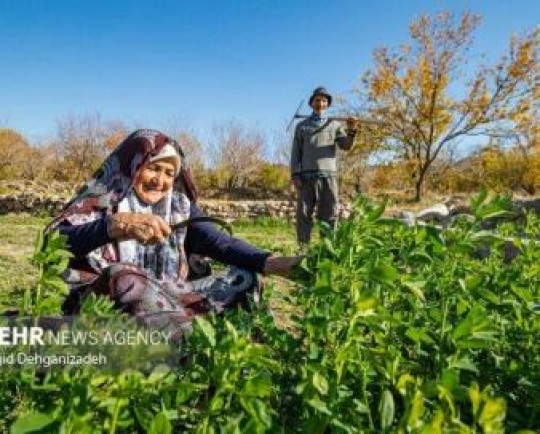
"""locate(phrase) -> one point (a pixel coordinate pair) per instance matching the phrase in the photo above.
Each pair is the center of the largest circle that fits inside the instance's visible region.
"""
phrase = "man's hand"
(297, 182)
(281, 265)
(145, 228)
(352, 123)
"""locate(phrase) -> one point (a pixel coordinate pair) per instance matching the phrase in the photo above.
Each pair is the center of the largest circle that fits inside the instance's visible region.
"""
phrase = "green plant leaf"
(319, 405)
(32, 423)
(465, 364)
(417, 287)
(217, 403)
(476, 398)
(320, 383)
(492, 414)
(207, 329)
(38, 244)
(185, 391)
(386, 409)
(259, 385)
(383, 273)
(160, 425)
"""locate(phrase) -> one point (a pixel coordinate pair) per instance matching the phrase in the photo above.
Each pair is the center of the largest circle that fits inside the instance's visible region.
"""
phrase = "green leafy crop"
(390, 329)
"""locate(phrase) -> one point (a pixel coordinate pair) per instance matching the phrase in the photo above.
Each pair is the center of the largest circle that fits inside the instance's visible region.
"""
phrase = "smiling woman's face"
(154, 180)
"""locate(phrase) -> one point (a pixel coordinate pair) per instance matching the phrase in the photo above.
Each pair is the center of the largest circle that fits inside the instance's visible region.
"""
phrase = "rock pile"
(40, 203)
(41, 197)
(443, 214)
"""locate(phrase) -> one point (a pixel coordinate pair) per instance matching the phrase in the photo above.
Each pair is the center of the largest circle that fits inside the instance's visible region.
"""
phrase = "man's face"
(319, 104)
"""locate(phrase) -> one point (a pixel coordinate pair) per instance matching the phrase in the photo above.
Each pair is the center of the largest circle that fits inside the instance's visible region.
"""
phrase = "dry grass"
(17, 232)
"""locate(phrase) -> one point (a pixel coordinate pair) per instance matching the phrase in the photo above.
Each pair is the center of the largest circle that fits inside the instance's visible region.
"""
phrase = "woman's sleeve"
(82, 239)
(204, 239)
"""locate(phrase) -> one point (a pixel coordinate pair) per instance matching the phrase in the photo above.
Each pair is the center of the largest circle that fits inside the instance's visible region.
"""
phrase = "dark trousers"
(320, 192)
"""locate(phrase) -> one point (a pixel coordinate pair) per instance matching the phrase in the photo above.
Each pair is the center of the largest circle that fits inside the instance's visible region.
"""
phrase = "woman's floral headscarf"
(111, 188)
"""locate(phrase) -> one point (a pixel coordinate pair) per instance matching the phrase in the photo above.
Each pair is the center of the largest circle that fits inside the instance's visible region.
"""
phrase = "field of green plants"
(386, 328)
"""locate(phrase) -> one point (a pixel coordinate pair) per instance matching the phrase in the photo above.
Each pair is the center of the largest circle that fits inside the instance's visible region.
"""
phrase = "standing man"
(314, 166)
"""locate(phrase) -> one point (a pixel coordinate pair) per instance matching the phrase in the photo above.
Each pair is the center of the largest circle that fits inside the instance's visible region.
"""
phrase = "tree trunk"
(418, 186)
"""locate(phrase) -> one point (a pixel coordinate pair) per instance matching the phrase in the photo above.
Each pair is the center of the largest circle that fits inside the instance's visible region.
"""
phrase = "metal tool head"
(202, 219)
(295, 116)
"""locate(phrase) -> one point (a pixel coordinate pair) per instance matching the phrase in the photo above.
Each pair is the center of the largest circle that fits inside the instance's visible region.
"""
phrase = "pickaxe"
(297, 115)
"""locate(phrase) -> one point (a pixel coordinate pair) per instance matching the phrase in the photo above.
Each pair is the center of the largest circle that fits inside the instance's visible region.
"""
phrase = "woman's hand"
(281, 265)
(145, 228)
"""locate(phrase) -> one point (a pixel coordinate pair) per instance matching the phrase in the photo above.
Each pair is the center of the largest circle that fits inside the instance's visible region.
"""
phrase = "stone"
(438, 213)
(407, 217)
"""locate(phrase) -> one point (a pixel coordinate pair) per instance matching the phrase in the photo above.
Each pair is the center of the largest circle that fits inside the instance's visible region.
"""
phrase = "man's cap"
(321, 90)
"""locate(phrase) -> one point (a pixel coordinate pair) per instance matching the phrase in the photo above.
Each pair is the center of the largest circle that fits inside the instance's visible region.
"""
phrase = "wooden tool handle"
(343, 118)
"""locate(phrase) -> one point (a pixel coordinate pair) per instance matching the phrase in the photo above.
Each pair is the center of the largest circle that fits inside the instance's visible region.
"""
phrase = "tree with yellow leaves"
(13, 148)
(413, 89)
(525, 141)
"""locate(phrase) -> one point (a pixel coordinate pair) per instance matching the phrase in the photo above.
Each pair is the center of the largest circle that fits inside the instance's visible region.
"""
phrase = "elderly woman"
(118, 227)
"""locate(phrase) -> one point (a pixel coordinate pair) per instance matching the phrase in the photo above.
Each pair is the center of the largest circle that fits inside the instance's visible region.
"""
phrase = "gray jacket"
(314, 149)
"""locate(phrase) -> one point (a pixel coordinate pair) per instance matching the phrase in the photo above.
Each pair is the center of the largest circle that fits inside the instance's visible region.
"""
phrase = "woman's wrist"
(281, 265)
(264, 270)
(116, 227)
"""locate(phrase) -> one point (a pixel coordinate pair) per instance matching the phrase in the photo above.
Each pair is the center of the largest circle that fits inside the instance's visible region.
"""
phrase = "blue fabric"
(84, 238)
(318, 118)
(205, 239)
(202, 238)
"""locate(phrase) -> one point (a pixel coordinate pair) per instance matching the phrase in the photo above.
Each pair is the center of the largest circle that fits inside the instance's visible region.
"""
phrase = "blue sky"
(204, 61)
